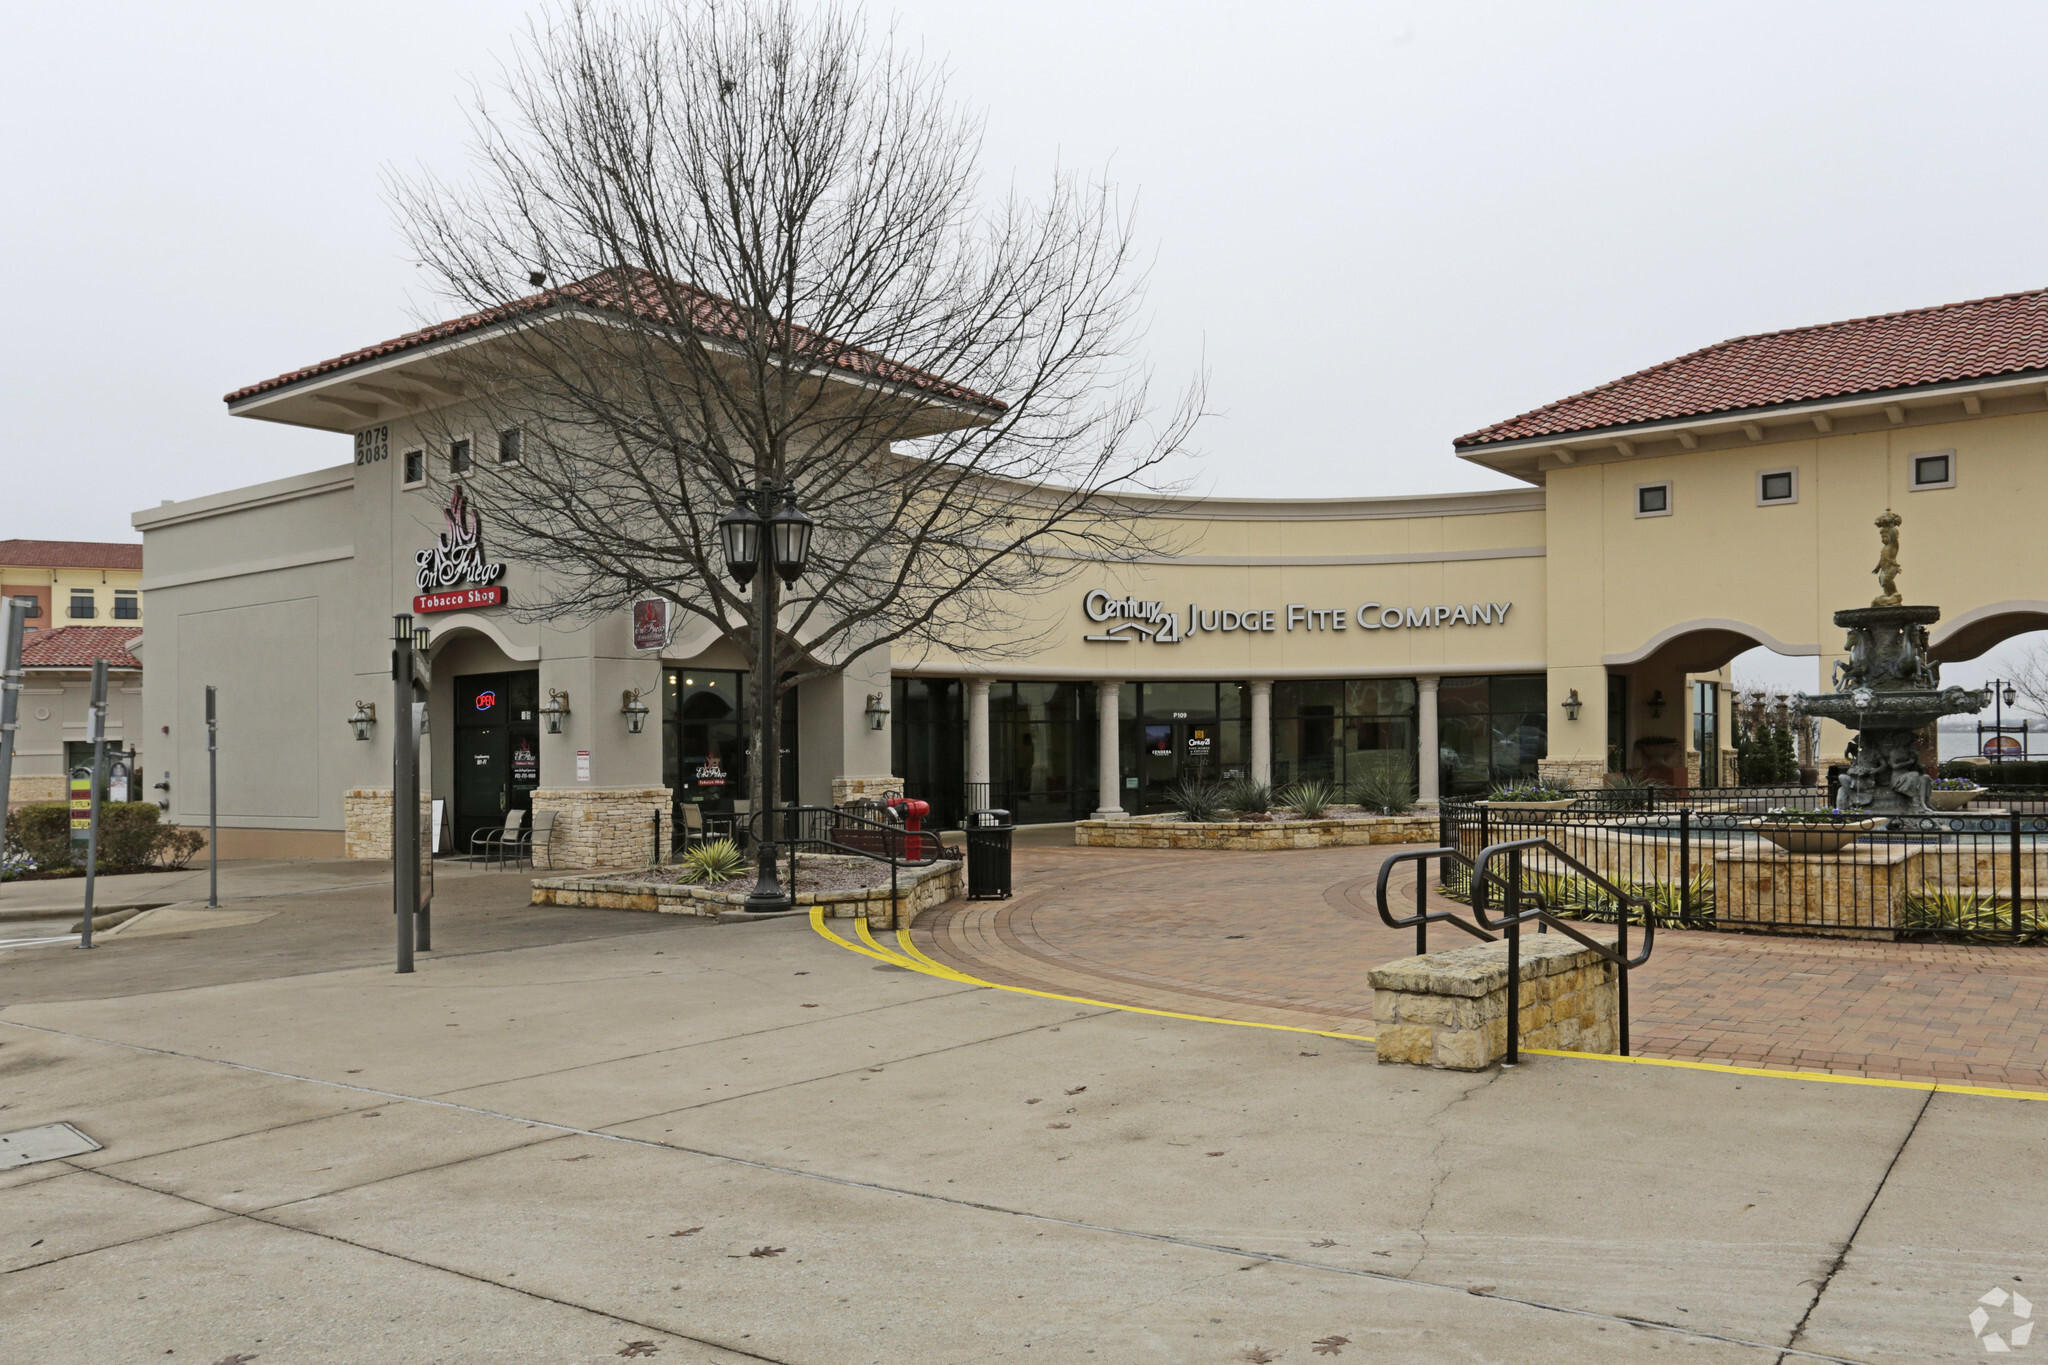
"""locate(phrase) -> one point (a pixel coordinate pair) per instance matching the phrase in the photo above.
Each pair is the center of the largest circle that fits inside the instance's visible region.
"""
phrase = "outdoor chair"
(488, 843)
(536, 839)
(693, 825)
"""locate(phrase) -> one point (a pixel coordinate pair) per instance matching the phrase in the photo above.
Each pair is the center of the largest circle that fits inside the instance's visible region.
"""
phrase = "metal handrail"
(895, 837)
(1514, 917)
(1423, 916)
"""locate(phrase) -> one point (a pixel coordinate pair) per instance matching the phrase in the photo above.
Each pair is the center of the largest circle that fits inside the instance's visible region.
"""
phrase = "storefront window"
(927, 734)
(1338, 730)
(1042, 749)
(1490, 731)
(704, 738)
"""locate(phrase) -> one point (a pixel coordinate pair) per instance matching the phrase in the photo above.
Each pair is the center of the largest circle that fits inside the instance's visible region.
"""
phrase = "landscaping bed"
(1338, 827)
(847, 888)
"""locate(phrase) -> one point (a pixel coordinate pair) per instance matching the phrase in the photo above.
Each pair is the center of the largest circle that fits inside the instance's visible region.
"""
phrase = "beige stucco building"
(55, 710)
(1576, 622)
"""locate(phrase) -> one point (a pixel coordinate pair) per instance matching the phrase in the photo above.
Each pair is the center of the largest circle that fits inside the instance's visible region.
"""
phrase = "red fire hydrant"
(911, 812)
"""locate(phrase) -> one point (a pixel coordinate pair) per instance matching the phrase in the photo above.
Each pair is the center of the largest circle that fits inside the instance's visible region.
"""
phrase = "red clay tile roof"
(78, 646)
(1956, 341)
(640, 292)
(70, 554)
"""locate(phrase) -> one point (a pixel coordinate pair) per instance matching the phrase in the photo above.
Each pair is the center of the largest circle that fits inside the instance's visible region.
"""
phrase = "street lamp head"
(420, 637)
(740, 530)
(791, 531)
(401, 628)
(2011, 695)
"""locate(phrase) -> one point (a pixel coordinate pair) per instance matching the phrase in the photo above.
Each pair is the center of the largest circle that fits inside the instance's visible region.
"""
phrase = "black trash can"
(988, 855)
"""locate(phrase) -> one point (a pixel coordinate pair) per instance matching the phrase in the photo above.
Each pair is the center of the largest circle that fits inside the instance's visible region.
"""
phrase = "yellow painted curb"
(912, 958)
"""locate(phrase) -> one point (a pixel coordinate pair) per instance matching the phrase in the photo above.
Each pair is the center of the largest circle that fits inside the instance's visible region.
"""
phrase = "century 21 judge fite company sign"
(1136, 619)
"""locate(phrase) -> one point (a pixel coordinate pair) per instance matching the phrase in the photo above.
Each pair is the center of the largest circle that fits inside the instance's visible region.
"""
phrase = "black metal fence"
(1716, 858)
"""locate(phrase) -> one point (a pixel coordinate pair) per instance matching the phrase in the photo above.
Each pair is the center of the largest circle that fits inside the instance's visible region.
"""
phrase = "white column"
(1428, 751)
(977, 741)
(1109, 789)
(1262, 733)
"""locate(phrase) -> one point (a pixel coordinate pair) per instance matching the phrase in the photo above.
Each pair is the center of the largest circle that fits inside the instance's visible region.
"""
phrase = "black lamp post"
(2001, 694)
(756, 533)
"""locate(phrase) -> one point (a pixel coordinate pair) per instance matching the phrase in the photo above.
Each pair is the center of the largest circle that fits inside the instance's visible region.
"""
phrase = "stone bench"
(1450, 1009)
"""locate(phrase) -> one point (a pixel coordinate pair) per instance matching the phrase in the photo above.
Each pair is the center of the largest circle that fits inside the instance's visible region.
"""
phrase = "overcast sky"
(1383, 225)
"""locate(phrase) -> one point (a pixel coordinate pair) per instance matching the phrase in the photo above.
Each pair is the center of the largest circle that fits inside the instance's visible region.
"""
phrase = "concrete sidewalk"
(726, 1142)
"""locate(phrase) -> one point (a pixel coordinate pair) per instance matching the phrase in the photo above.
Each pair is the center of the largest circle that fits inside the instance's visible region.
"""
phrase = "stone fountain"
(1887, 690)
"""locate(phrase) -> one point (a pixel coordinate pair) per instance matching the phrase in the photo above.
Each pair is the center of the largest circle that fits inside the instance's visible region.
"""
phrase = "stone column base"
(1450, 1009)
(605, 826)
(1578, 774)
(846, 790)
(366, 823)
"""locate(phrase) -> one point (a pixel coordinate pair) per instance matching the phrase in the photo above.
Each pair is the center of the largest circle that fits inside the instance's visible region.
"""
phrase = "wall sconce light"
(1572, 704)
(363, 719)
(1657, 703)
(878, 710)
(634, 710)
(552, 713)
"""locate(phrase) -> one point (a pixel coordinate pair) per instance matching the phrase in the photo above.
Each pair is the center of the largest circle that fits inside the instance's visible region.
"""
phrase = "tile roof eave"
(1468, 444)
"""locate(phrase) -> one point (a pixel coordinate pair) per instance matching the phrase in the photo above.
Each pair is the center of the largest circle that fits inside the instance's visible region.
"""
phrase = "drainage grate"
(51, 1142)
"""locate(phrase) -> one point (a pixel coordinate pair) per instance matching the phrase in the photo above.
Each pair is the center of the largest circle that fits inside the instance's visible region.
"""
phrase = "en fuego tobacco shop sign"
(1136, 619)
(456, 557)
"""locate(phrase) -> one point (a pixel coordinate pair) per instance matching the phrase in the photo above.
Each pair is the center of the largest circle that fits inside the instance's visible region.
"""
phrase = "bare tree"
(2029, 678)
(779, 273)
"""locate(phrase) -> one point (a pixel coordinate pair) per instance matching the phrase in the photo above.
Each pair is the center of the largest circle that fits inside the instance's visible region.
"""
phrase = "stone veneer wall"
(366, 822)
(1150, 832)
(846, 790)
(605, 826)
(1450, 1009)
(919, 889)
(1572, 773)
(25, 791)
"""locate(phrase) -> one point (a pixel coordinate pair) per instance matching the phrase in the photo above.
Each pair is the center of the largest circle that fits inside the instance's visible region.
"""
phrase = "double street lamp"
(766, 529)
(1999, 694)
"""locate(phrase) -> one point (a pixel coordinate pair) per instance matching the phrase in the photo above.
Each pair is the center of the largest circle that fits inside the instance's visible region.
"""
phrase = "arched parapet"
(1980, 629)
(1705, 644)
(462, 622)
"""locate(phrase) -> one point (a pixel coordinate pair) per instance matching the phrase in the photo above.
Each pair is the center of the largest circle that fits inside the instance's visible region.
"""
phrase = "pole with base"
(212, 801)
(13, 617)
(405, 805)
(98, 735)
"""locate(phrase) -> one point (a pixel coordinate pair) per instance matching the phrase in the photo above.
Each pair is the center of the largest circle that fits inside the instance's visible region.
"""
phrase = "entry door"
(1173, 752)
(483, 781)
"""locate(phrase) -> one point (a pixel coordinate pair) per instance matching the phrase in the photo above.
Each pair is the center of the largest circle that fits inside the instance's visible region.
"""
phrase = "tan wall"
(55, 707)
(53, 587)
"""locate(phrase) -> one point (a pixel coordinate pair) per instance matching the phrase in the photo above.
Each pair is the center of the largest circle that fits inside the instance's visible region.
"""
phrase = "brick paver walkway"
(1288, 938)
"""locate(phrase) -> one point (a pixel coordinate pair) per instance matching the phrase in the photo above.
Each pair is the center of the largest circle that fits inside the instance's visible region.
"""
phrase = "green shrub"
(1246, 797)
(718, 861)
(1977, 916)
(1312, 798)
(43, 831)
(1198, 801)
(1387, 787)
(2027, 774)
(176, 846)
(129, 835)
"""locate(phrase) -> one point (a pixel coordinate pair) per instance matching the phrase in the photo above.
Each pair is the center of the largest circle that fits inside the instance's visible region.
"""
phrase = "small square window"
(1934, 469)
(415, 467)
(81, 606)
(1653, 499)
(127, 606)
(1777, 485)
(458, 456)
(508, 446)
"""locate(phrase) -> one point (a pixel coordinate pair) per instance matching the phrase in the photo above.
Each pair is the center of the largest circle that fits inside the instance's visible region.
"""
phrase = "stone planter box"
(919, 889)
(1450, 1009)
(1166, 831)
(1953, 800)
(1814, 838)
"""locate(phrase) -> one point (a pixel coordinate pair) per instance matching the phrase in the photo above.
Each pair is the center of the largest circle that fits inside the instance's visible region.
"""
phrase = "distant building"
(75, 582)
(56, 693)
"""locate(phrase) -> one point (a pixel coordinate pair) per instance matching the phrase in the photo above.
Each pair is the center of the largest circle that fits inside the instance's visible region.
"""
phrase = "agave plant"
(1976, 915)
(1247, 797)
(1199, 801)
(718, 861)
(1313, 798)
(1388, 788)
